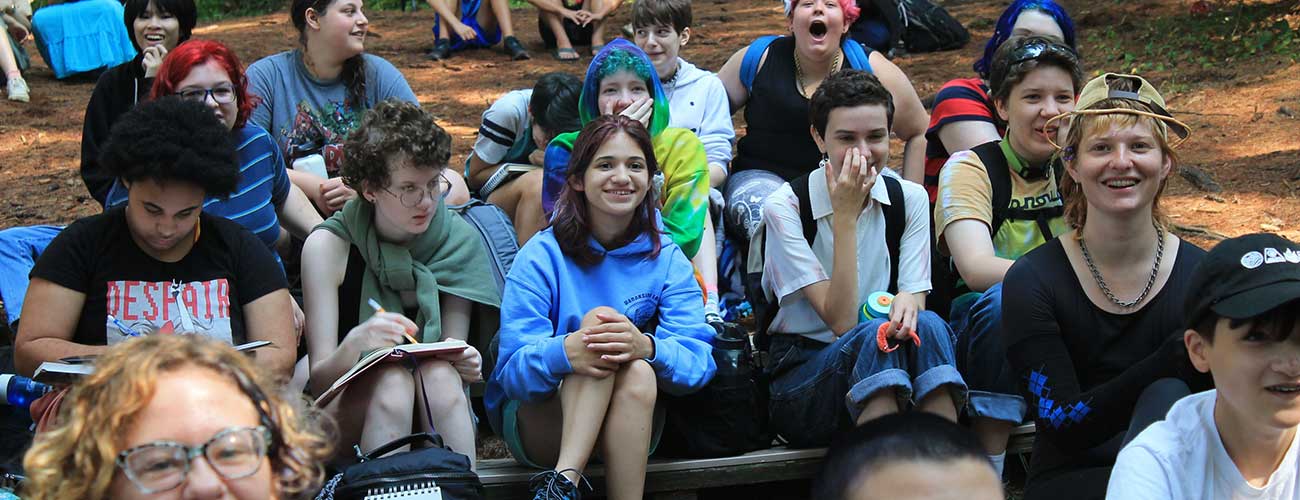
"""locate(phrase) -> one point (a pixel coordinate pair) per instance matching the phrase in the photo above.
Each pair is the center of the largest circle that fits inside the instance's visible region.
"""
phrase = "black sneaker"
(515, 49)
(441, 50)
(552, 485)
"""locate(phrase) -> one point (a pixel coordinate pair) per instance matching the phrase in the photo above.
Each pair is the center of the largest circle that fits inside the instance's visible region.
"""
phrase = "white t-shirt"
(506, 130)
(1182, 457)
(789, 264)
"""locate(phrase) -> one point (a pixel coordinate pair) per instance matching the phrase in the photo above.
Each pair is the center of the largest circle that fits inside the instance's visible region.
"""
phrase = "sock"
(998, 461)
(711, 313)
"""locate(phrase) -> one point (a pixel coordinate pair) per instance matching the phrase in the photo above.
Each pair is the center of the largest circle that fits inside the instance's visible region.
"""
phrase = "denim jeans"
(982, 358)
(820, 388)
(19, 249)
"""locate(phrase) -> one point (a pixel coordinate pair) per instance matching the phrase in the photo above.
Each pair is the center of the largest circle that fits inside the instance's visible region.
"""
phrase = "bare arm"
(479, 170)
(268, 318)
(552, 6)
(910, 118)
(50, 314)
(964, 135)
(297, 213)
(737, 94)
(455, 316)
(324, 258)
(971, 247)
(309, 184)
(836, 301)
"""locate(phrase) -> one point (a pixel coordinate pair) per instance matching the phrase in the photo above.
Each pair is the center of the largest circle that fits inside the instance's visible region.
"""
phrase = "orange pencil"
(378, 309)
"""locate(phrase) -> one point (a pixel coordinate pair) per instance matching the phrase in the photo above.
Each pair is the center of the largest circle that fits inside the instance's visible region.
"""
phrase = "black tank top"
(350, 294)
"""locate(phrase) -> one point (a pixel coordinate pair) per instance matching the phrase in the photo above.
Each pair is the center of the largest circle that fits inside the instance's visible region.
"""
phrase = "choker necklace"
(672, 81)
(798, 71)
(1151, 280)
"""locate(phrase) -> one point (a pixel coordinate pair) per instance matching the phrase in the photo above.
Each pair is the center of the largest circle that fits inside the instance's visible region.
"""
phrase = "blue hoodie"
(547, 294)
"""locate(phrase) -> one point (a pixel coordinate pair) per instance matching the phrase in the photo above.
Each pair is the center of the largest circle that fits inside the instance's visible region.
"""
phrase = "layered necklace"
(798, 71)
(1151, 280)
(670, 85)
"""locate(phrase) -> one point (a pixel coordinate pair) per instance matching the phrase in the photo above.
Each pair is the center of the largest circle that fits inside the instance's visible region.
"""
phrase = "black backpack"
(929, 28)
(943, 271)
(895, 223)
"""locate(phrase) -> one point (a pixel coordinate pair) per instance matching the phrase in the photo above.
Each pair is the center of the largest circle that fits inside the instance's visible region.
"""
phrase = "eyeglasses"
(1039, 49)
(411, 195)
(235, 452)
(221, 94)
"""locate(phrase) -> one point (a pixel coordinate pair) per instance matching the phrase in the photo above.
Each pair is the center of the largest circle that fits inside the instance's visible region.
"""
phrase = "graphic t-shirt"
(304, 114)
(203, 293)
(965, 192)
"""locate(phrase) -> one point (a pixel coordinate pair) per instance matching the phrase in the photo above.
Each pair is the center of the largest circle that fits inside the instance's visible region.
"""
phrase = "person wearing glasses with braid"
(1094, 319)
(395, 244)
(996, 202)
(177, 416)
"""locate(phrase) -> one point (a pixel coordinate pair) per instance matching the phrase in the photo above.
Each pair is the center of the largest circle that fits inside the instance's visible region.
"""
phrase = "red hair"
(182, 59)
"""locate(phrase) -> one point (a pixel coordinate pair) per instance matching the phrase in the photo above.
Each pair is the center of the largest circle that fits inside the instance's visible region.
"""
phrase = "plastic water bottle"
(20, 391)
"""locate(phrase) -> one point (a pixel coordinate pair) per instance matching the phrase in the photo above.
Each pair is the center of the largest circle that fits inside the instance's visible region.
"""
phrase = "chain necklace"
(798, 72)
(1151, 280)
(670, 85)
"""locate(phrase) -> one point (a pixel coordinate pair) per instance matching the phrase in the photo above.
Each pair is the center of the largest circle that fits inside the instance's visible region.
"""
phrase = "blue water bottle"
(20, 391)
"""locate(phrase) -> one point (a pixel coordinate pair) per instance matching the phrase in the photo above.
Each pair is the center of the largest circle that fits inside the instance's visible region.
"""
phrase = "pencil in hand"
(378, 309)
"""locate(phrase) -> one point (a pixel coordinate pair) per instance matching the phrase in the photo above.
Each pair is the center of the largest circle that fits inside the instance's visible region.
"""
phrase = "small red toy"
(885, 343)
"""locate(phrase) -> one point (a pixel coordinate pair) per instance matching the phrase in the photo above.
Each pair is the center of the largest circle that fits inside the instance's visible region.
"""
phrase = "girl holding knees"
(398, 244)
(601, 312)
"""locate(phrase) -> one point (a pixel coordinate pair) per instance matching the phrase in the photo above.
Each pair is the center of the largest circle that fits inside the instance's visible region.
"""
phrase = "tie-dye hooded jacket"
(678, 151)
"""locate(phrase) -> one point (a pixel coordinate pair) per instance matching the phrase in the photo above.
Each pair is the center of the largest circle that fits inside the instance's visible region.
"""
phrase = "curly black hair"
(172, 139)
(392, 128)
(848, 88)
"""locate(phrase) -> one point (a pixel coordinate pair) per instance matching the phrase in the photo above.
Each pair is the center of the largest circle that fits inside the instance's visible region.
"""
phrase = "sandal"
(515, 49)
(595, 49)
(559, 55)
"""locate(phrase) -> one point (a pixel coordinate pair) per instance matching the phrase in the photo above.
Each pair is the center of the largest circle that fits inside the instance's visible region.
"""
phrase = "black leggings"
(1090, 483)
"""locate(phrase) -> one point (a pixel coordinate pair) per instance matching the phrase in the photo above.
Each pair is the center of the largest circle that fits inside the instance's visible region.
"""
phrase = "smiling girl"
(601, 313)
(156, 27)
(1095, 318)
(995, 203)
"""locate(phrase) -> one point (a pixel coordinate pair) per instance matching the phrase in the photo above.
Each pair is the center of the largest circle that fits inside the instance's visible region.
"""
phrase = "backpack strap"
(995, 165)
(999, 172)
(800, 187)
(856, 55)
(754, 55)
(895, 222)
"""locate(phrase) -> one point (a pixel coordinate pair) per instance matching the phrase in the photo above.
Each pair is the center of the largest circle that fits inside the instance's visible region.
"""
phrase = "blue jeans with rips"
(982, 358)
(819, 388)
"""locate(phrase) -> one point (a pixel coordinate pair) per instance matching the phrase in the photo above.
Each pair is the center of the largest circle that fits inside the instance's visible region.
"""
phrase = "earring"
(826, 161)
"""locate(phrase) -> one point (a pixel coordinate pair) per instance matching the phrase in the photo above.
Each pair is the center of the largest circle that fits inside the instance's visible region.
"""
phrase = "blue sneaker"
(553, 485)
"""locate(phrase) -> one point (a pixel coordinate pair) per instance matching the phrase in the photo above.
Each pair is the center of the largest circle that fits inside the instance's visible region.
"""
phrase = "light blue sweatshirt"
(547, 294)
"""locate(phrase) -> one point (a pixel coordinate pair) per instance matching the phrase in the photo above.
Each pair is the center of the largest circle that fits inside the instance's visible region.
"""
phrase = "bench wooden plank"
(506, 479)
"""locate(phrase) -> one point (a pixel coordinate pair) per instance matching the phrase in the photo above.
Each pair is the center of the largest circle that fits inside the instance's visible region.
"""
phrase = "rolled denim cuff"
(936, 378)
(889, 378)
(1004, 407)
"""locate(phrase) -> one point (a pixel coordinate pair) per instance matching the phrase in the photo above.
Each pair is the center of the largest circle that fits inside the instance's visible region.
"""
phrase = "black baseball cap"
(1245, 277)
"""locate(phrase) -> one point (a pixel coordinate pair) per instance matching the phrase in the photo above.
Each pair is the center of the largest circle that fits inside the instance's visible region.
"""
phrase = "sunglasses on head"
(1037, 50)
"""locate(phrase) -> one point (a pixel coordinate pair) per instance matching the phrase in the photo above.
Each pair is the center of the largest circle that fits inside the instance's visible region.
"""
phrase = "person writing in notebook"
(396, 243)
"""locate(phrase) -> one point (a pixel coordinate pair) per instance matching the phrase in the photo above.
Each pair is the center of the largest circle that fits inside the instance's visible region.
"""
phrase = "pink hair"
(850, 8)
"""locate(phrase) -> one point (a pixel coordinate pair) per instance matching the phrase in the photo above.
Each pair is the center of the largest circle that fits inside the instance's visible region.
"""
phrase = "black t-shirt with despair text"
(203, 293)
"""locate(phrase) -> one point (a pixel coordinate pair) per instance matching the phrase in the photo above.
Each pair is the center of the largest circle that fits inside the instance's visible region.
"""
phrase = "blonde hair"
(77, 459)
(1087, 125)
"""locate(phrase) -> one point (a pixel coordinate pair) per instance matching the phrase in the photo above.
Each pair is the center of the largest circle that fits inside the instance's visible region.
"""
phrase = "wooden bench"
(503, 478)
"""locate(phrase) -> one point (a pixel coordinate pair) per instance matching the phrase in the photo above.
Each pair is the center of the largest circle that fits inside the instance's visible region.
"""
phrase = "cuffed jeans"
(982, 358)
(820, 388)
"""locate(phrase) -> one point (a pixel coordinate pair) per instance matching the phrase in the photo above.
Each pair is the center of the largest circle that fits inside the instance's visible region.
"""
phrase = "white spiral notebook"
(425, 491)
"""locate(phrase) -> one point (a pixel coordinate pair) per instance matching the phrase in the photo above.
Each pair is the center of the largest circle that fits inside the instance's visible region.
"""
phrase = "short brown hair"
(675, 13)
(1021, 55)
(390, 130)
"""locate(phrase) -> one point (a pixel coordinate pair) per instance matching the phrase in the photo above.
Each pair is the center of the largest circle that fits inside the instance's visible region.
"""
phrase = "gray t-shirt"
(305, 114)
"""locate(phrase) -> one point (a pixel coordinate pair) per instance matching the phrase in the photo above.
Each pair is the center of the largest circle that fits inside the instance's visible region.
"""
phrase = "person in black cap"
(1239, 440)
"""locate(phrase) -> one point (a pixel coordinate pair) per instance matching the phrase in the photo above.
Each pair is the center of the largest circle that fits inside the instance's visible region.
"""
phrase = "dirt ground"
(1256, 101)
